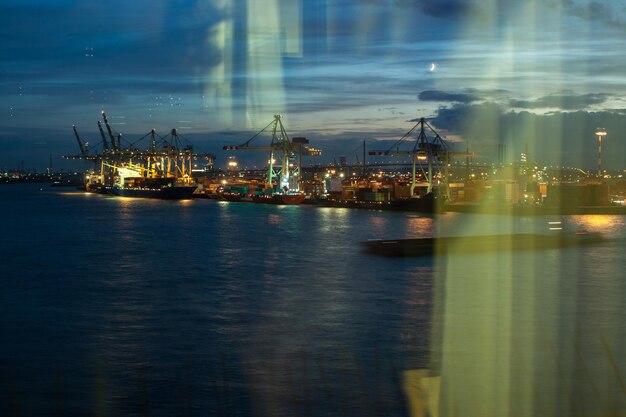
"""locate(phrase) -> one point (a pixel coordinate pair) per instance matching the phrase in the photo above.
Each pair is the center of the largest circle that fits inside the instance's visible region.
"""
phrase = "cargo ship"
(164, 188)
(286, 199)
(425, 204)
(162, 170)
(254, 191)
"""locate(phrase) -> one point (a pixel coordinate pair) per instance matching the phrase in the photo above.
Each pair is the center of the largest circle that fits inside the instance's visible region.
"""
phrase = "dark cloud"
(555, 138)
(562, 101)
(63, 61)
(611, 13)
(18, 20)
(442, 96)
(447, 8)
(117, 38)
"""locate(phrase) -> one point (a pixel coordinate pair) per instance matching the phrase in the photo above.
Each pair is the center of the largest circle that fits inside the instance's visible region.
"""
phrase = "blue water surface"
(121, 306)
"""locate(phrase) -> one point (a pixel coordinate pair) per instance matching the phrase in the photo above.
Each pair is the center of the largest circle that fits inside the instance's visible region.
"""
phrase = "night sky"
(541, 75)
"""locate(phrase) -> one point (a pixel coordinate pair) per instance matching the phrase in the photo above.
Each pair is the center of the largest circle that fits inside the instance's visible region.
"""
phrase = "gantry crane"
(285, 174)
(430, 149)
(171, 159)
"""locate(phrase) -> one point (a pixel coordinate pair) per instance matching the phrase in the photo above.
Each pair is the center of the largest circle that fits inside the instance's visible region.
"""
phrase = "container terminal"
(163, 169)
(419, 172)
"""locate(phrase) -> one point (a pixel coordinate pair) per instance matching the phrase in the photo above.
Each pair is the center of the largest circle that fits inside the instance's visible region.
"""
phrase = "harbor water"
(121, 306)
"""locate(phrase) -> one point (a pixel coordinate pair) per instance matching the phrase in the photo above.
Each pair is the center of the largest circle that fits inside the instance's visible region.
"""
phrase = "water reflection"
(228, 309)
(418, 226)
(608, 225)
(332, 218)
(378, 224)
(415, 332)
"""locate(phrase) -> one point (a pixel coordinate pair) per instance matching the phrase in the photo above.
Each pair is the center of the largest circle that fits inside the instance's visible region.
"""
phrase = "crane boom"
(251, 148)
(81, 145)
(105, 144)
(106, 122)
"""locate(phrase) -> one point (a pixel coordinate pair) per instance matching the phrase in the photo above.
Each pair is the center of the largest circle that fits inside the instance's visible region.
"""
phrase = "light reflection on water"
(255, 309)
(609, 225)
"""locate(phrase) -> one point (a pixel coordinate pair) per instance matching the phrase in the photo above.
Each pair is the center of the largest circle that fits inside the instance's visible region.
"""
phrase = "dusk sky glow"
(541, 75)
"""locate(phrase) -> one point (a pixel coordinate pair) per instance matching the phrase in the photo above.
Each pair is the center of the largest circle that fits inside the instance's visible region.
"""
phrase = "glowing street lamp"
(600, 132)
(232, 163)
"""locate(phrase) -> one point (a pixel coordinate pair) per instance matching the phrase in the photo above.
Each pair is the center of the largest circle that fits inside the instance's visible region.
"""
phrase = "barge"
(430, 246)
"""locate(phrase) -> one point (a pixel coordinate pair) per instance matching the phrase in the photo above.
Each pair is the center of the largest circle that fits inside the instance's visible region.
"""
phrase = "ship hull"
(281, 199)
(165, 193)
(96, 188)
(477, 244)
(426, 204)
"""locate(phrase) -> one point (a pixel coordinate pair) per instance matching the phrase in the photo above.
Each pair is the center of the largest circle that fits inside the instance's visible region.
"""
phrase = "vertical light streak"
(291, 21)
(218, 97)
(265, 90)
(505, 330)
(252, 40)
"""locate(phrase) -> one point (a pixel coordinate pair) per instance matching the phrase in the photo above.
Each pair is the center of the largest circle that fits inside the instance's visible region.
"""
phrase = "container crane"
(285, 175)
(425, 149)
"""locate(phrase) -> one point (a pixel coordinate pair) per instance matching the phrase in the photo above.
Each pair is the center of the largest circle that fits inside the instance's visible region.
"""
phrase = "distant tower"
(600, 133)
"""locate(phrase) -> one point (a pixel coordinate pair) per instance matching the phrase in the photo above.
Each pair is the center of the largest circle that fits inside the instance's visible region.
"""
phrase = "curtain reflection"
(254, 38)
(524, 334)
